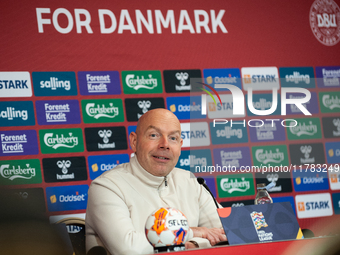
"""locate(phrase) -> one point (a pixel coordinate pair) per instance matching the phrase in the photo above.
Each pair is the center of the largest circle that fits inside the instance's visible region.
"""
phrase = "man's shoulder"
(182, 175)
(114, 174)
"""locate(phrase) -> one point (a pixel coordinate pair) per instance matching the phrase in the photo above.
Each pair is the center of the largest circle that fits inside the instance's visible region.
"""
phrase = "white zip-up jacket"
(121, 200)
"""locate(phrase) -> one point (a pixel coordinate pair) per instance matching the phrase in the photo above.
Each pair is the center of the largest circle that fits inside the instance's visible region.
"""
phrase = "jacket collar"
(144, 176)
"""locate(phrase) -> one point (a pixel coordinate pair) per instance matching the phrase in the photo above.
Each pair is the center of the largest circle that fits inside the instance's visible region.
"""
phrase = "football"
(166, 227)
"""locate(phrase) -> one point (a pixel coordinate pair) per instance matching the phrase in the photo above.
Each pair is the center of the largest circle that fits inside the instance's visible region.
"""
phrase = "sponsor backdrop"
(76, 76)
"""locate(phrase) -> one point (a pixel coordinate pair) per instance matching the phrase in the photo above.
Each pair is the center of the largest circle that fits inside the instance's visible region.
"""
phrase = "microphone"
(97, 250)
(202, 182)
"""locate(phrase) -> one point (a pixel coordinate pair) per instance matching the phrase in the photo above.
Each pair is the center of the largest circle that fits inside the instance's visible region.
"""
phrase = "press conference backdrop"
(77, 75)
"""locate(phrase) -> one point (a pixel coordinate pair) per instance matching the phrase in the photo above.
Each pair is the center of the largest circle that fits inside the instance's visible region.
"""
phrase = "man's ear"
(133, 141)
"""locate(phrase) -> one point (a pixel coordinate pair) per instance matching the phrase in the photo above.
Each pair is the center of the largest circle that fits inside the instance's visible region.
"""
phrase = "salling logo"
(56, 113)
(229, 132)
(304, 129)
(269, 157)
(13, 143)
(144, 105)
(140, 82)
(60, 141)
(10, 114)
(54, 84)
(262, 104)
(296, 77)
(231, 158)
(97, 83)
(306, 150)
(106, 134)
(323, 21)
(331, 102)
(234, 185)
(12, 173)
(182, 77)
(192, 160)
(97, 111)
(64, 165)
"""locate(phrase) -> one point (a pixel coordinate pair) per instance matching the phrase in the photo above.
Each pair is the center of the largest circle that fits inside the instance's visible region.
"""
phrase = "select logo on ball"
(167, 227)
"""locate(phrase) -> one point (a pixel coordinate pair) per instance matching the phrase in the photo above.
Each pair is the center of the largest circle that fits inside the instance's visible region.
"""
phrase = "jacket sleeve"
(208, 216)
(108, 221)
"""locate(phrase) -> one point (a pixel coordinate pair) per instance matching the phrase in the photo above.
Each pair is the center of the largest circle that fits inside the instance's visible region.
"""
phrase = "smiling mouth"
(164, 158)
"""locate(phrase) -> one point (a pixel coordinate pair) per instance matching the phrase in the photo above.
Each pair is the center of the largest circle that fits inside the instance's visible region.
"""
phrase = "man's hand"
(214, 235)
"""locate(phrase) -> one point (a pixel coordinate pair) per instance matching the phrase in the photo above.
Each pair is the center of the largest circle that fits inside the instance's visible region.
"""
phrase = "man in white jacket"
(120, 200)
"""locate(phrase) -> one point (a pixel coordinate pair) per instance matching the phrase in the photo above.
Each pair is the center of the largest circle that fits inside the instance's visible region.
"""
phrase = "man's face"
(157, 142)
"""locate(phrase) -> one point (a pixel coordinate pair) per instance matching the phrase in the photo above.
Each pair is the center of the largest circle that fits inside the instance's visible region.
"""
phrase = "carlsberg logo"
(140, 82)
(97, 111)
(232, 185)
(304, 129)
(331, 102)
(57, 141)
(269, 157)
(12, 172)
